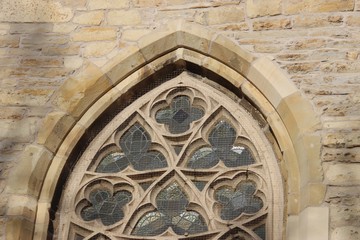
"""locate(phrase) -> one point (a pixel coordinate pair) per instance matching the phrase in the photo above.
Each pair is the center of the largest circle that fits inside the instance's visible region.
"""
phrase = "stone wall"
(316, 43)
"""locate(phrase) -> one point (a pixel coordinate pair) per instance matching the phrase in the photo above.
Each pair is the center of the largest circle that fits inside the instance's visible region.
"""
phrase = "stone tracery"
(188, 192)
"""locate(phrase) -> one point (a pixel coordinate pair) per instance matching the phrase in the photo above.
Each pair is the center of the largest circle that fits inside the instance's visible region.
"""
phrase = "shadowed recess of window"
(135, 144)
(171, 204)
(222, 139)
(179, 115)
(238, 201)
(105, 207)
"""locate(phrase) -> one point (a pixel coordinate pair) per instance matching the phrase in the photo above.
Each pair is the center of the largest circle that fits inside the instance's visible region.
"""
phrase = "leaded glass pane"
(261, 232)
(105, 207)
(179, 115)
(171, 204)
(222, 139)
(238, 201)
(135, 143)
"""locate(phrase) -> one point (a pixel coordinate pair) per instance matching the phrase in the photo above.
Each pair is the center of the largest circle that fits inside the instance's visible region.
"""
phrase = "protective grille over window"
(182, 162)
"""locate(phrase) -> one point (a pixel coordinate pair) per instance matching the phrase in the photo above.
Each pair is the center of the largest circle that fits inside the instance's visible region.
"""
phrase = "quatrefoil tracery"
(134, 147)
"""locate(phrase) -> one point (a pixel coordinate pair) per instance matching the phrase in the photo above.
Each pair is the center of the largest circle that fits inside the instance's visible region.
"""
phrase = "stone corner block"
(270, 80)
(298, 115)
(231, 54)
(17, 227)
(123, 64)
(28, 175)
(55, 127)
(77, 93)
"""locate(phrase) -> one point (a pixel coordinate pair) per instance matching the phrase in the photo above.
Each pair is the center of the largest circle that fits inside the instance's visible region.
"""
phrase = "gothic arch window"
(183, 161)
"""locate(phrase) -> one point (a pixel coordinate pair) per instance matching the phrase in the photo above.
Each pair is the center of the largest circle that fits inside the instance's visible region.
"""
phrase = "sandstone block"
(98, 49)
(62, 50)
(31, 28)
(41, 40)
(78, 92)
(134, 34)
(89, 18)
(18, 130)
(24, 205)
(42, 62)
(64, 27)
(56, 125)
(226, 14)
(256, 8)
(308, 21)
(272, 24)
(342, 173)
(108, 4)
(73, 62)
(346, 232)
(34, 11)
(295, 6)
(353, 21)
(87, 34)
(9, 41)
(342, 139)
(124, 17)
(148, 3)
(32, 168)
(28, 96)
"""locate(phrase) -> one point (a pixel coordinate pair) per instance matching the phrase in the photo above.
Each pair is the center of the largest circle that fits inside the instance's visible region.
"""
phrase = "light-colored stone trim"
(84, 96)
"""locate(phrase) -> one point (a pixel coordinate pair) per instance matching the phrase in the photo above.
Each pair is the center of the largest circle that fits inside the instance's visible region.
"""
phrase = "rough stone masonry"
(316, 43)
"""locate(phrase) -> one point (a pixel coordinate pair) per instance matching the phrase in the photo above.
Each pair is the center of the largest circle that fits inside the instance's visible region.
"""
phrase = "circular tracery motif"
(177, 170)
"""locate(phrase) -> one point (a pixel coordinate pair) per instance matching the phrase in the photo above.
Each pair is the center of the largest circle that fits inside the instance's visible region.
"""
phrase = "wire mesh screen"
(198, 188)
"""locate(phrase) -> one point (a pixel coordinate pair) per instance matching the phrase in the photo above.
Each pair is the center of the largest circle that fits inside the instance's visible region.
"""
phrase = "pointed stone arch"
(82, 98)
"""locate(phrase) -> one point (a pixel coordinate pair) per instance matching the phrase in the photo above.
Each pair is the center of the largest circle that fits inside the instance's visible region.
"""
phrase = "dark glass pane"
(179, 115)
(112, 163)
(106, 207)
(222, 136)
(145, 185)
(203, 158)
(78, 237)
(200, 184)
(178, 149)
(135, 141)
(171, 204)
(261, 232)
(242, 200)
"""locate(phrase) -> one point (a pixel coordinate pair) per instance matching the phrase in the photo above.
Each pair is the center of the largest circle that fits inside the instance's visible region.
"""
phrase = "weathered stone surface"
(349, 138)
(309, 21)
(108, 4)
(87, 34)
(25, 96)
(34, 11)
(272, 24)
(294, 6)
(9, 41)
(342, 173)
(346, 232)
(18, 130)
(134, 34)
(89, 18)
(98, 49)
(255, 8)
(124, 17)
(226, 14)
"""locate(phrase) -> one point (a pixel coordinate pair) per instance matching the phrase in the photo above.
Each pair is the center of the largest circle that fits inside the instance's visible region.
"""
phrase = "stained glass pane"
(238, 201)
(179, 115)
(112, 162)
(222, 139)
(171, 204)
(135, 143)
(105, 207)
(199, 184)
(261, 232)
